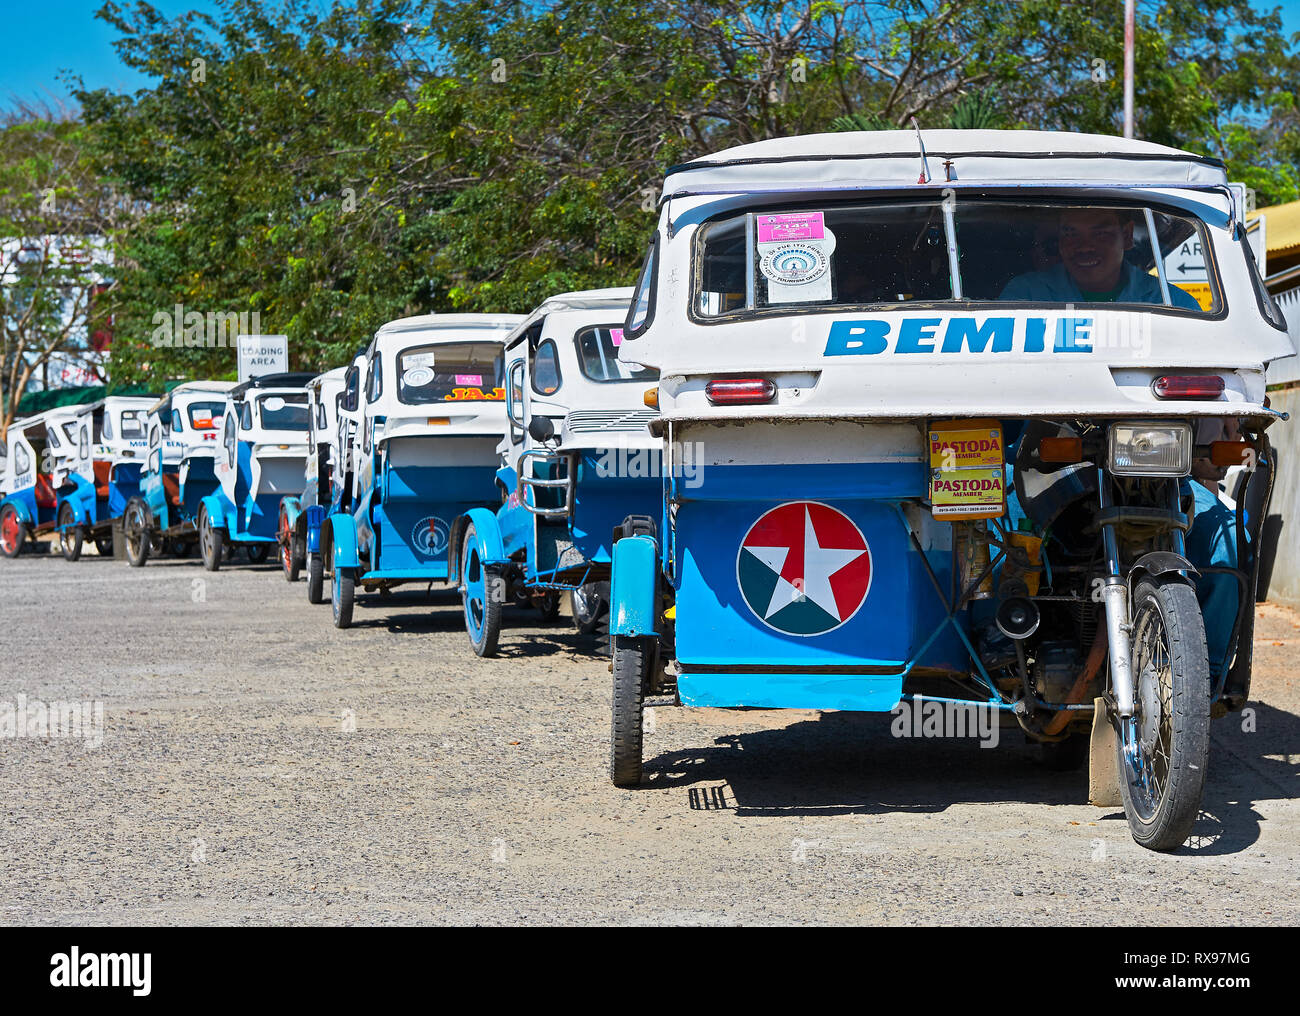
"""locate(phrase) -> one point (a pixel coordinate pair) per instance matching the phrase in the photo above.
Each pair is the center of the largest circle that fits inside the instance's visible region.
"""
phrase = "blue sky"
(43, 37)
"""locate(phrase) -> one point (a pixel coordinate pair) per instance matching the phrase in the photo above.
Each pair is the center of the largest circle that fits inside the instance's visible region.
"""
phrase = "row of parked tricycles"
(858, 435)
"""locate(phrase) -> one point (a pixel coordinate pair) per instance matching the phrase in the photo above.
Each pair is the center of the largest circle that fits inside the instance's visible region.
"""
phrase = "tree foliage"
(334, 166)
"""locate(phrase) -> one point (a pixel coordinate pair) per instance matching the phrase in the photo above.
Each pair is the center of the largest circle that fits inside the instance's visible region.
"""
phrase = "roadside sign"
(260, 355)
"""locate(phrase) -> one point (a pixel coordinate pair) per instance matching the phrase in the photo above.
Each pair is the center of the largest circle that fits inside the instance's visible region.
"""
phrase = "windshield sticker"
(616, 336)
(791, 226)
(475, 395)
(417, 377)
(418, 360)
(470, 379)
(797, 270)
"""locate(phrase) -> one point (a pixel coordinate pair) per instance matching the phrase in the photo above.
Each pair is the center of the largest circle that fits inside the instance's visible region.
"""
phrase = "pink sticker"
(616, 336)
(791, 226)
(470, 379)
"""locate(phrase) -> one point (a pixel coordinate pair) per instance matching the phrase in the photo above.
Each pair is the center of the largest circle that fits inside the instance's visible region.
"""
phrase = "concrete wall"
(1282, 526)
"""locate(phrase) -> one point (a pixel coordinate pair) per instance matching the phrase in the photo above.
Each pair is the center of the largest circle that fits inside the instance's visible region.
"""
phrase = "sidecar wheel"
(1165, 748)
(633, 660)
(290, 563)
(342, 595)
(135, 531)
(315, 579)
(482, 607)
(589, 604)
(547, 604)
(70, 535)
(13, 533)
(211, 542)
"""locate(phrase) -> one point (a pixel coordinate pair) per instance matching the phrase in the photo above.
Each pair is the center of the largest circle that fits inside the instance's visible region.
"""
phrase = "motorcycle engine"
(1056, 666)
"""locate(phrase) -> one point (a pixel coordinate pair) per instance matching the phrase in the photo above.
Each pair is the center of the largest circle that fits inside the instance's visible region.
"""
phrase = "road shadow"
(850, 764)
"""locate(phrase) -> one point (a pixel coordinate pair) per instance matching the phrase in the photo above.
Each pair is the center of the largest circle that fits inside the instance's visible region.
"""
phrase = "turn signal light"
(1188, 386)
(740, 391)
(1231, 453)
(1061, 449)
(651, 398)
(438, 421)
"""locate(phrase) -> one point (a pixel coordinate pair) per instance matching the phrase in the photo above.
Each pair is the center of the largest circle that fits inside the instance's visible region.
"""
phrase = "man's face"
(1093, 242)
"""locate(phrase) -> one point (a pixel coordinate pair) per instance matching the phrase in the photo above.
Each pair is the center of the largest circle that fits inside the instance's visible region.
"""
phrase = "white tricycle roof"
(884, 159)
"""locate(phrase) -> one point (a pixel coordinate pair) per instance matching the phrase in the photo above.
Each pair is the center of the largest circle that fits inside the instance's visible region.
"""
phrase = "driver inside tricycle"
(958, 439)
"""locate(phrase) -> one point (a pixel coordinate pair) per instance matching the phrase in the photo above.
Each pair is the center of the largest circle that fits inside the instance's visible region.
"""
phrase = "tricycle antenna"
(925, 164)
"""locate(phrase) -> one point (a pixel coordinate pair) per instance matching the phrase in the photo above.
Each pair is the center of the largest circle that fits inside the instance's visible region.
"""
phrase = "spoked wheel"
(289, 560)
(212, 541)
(1164, 748)
(482, 608)
(13, 534)
(70, 535)
(135, 530)
(342, 593)
(634, 659)
(589, 604)
(315, 579)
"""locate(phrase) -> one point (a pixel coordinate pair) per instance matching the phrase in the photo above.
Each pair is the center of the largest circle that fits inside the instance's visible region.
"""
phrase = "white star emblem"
(819, 564)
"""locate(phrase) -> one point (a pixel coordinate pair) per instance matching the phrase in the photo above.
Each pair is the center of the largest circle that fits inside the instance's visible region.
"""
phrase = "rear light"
(740, 391)
(1188, 386)
(1061, 449)
(1231, 453)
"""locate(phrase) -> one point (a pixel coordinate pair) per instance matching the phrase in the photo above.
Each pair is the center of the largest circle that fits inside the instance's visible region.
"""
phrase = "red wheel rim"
(285, 552)
(10, 528)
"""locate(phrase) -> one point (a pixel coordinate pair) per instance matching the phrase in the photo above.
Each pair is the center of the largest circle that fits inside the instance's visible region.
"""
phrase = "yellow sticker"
(1201, 291)
(967, 493)
(958, 444)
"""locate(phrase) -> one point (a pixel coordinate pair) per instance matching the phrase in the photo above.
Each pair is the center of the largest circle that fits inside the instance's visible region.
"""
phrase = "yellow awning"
(1282, 232)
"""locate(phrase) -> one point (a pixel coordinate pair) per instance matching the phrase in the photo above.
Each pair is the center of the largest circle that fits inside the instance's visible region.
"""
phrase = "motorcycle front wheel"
(1164, 747)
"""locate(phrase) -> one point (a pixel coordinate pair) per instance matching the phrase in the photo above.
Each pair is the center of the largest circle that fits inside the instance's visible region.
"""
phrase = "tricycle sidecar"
(260, 459)
(323, 395)
(576, 462)
(103, 471)
(183, 429)
(432, 410)
(955, 438)
(38, 453)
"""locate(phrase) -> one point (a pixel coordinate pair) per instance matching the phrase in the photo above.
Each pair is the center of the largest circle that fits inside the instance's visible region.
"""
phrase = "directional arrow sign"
(1186, 262)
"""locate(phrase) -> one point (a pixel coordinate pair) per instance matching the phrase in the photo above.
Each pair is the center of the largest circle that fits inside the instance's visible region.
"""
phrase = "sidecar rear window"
(450, 372)
(283, 412)
(1053, 253)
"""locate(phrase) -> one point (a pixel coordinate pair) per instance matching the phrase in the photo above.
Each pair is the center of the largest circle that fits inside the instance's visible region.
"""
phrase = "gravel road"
(259, 767)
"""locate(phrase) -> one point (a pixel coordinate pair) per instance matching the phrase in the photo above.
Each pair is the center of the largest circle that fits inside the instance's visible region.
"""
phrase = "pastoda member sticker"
(968, 493)
(956, 447)
(967, 479)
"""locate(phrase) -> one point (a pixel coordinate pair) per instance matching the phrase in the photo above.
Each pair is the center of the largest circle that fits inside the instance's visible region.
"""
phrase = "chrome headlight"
(1150, 449)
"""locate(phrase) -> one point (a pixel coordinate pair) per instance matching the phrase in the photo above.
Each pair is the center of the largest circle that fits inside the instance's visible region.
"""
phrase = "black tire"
(104, 545)
(290, 557)
(1162, 777)
(633, 660)
(315, 578)
(482, 607)
(589, 606)
(1065, 756)
(342, 595)
(212, 542)
(178, 548)
(257, 553)
(135, 533)
(13, 533)
(70, 537)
